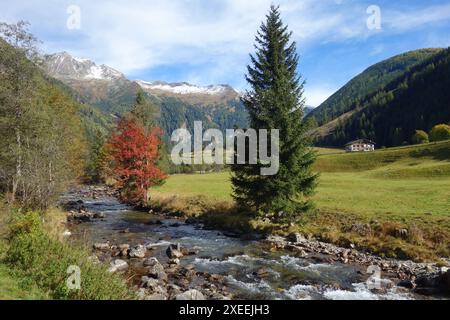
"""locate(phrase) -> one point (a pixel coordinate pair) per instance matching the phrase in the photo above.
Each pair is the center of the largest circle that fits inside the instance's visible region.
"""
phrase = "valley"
(95, 206)
(399, 188)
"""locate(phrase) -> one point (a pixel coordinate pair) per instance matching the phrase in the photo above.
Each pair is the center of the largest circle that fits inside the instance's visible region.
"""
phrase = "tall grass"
(41, 259)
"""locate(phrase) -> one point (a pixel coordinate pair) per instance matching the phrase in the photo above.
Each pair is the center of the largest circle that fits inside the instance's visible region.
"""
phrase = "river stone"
(173, 290)
(262, 273)
(150, 262)
(157, 271)
(174, 251)
(151, 284)
(102, 246)
(99, 215)
(124, 249)
(138, 252)
(295, 237)
(118, 265)
(174, 261)
(190, 295)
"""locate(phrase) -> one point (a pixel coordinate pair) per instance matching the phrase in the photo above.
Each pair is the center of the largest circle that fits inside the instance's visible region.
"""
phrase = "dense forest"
(417, 100)
(371, 80)
(42, 145)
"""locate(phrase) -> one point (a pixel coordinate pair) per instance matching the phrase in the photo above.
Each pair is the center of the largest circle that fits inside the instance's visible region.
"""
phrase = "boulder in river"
(98, 215)
(174, 251)
(138, 252)
(190, 295)
(174, 262)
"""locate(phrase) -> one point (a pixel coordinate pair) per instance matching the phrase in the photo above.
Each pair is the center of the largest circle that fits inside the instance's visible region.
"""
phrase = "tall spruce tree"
(145, 112)
(275, 102)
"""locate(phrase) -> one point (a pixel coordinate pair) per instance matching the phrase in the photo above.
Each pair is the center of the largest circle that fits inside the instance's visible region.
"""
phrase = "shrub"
(37, 257)
(440, 132)
(420, 137)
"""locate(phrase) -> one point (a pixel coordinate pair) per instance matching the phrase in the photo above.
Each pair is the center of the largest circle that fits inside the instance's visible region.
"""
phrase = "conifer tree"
(145, 112)
(275, 101)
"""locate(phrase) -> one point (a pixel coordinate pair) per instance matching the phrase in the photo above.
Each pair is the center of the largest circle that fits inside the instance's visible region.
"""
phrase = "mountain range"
(374, 105)
(178, 104)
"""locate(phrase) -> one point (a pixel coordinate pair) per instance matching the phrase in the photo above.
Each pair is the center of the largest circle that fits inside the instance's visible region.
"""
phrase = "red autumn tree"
(134, 154)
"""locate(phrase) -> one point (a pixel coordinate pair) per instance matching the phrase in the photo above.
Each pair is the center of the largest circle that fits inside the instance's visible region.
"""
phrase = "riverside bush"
(37, 257)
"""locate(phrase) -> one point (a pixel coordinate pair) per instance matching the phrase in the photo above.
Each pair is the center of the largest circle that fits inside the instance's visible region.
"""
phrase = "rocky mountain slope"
(179, 104)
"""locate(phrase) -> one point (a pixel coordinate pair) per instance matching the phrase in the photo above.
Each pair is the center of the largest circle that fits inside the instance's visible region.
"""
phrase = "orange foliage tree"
(134, 156)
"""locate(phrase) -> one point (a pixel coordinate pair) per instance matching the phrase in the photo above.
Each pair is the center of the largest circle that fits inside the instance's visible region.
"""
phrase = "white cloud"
(213, 37)
(316, 95)
(134, 35)
(413, 18)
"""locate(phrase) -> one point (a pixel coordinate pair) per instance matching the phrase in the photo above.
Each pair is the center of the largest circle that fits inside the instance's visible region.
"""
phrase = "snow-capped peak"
(184, 88)
(63, 65)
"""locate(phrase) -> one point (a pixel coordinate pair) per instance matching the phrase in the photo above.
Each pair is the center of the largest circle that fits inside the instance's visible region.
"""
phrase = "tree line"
(42, 145)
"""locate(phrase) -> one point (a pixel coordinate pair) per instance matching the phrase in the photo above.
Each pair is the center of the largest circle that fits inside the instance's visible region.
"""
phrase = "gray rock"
(157, 272)
(173, 290)
(138, 252)
(174, 251)
(150, 262)
(102, 246)
(296, 238)
(152, 284)
(190, 295)
(174, 261)
(118, 265)
(98, 215)
(124, 249)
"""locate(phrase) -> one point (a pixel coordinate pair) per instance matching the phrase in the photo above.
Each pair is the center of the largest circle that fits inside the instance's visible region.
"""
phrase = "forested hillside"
(371, 80)
(43, 147)
(417, 100)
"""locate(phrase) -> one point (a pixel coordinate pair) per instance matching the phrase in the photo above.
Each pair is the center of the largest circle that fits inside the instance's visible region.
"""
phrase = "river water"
(252, 270)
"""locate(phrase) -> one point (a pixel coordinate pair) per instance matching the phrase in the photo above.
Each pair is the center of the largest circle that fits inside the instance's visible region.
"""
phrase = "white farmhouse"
(361, 145)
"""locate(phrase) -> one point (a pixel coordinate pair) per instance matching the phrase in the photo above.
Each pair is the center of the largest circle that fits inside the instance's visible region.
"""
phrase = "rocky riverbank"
(422, 278)
(161, 281)
(169, 277)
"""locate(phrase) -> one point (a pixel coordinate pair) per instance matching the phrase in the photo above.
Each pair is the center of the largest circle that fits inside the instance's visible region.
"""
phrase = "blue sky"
(208, 41)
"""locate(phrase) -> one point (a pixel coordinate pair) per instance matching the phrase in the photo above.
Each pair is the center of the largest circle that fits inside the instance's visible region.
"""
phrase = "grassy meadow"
(407, 187)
